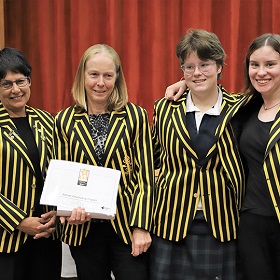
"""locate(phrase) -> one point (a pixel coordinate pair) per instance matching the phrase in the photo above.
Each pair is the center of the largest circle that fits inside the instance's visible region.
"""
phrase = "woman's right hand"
(34, 226)
(174, 91)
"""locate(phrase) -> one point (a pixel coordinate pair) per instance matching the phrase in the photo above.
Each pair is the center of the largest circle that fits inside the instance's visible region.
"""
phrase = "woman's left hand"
(78, 216)
(141, 241)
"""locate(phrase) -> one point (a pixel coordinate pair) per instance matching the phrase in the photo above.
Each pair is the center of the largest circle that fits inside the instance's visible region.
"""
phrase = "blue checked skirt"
(197, 257)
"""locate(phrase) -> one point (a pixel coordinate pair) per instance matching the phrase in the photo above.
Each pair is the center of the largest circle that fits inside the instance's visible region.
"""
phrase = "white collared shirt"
(215, 110)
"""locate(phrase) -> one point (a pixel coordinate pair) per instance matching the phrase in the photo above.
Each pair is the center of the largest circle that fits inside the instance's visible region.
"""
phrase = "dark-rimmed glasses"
(22, 82)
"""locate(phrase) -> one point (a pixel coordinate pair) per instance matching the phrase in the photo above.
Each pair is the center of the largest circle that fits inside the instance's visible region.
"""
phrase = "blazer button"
(195, 195)
(33, 208)
(33, 186)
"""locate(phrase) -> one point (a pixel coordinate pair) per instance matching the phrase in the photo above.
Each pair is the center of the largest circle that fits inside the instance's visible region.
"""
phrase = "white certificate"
(70, 184)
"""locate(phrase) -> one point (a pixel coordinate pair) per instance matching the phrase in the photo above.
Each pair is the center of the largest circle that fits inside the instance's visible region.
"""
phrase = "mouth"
(263, 81)
(199, 81)
(99, 91)
(17, 97)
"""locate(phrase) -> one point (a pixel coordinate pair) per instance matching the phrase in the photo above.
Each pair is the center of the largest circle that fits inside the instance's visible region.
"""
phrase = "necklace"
(267, 108)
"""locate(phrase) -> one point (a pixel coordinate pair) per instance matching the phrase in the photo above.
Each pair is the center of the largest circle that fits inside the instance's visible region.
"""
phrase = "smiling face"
(264, 70)
(201, 82)
(15, 99)
(100, 78)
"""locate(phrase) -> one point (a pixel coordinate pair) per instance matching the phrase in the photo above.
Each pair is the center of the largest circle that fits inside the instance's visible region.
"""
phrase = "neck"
(271, 107)
(205, 102)
(19, 114)
(97, 110)
(271, 101)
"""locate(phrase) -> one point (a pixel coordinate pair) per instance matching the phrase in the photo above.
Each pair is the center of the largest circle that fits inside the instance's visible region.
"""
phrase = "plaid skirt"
(197, 257)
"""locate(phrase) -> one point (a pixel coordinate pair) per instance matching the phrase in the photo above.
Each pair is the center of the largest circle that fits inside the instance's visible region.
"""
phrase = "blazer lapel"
(40, 138)
(230, 107)
(179, 123)
(115, 133)
(10, 134)
(82, 131)
(274, 134)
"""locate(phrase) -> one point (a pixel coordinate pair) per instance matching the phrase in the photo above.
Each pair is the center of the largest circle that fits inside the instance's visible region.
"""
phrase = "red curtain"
(53, 34)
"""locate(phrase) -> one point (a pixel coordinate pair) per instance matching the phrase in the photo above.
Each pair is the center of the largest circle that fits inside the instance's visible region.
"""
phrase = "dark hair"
(267, 39)
(205, 44)
(13, 60)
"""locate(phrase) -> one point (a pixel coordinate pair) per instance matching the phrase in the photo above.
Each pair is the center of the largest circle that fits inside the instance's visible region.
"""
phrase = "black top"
(26, 134)
(253, 140)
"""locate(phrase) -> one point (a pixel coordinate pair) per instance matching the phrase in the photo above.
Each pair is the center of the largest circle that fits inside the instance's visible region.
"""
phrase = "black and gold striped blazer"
(271, 165)
(18, 181)
(128, 148)
(182, 181)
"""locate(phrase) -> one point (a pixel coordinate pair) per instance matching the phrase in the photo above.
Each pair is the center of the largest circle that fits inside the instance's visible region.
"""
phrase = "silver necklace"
(267, 108)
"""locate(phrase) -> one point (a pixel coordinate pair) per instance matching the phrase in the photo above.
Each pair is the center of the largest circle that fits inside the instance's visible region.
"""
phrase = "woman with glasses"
(257, 129)
(27, 229)
(200, 181)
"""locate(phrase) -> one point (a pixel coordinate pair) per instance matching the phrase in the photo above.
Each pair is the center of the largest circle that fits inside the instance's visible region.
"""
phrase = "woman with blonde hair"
(104, 129)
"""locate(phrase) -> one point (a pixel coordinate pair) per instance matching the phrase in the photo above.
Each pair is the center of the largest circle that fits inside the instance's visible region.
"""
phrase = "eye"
(189, 67)
(271, 64)
(21, 82)
(6, 84)
(254, 65)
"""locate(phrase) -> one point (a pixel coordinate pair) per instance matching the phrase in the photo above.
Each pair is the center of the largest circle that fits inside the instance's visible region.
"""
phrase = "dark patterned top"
(99, 131)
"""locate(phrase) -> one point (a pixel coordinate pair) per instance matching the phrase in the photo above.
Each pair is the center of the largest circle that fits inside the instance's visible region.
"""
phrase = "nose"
(15, 87)
(100, 81)
(196, 70)
(262, 70)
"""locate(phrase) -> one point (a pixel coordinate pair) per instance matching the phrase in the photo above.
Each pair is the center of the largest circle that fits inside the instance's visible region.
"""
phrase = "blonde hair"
(119, 96)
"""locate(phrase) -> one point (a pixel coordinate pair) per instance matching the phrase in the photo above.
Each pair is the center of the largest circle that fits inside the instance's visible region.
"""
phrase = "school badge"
(83, 177)
(127, 165)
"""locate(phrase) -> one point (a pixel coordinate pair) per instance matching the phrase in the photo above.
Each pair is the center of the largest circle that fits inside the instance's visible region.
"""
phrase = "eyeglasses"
(22, 82)
(203, 67)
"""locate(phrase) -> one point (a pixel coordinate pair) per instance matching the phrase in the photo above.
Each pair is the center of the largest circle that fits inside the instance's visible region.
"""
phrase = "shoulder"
(67, 111)
(134, 109)
(161, 102)
(251, 104)
(232, 97)
(41, 114)
(163, 106)
(38, 111)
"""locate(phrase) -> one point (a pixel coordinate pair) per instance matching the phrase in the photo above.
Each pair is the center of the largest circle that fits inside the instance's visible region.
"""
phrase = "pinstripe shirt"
(18, 180)
(182, 181)
(128, 148)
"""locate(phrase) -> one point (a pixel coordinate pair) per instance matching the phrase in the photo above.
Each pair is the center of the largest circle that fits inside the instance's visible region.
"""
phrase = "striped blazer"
(271, 165)
(18, 181)
(128, 148)
(219, 183)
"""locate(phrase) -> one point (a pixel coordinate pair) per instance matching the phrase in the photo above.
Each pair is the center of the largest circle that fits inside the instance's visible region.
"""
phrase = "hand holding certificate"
(70, 185)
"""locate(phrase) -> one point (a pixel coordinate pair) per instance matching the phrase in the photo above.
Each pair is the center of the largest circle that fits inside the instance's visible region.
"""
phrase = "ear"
(219, 70)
